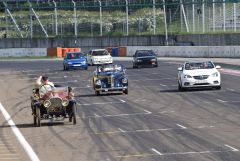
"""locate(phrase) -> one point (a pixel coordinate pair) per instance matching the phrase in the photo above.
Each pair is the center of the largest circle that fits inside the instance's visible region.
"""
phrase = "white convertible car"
(199, 74)
(99, 56)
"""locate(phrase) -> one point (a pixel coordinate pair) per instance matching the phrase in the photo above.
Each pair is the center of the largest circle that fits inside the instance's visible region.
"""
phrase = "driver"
(44, 85)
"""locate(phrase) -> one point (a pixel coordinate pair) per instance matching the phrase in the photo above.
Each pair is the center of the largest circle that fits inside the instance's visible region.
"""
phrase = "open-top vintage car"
(110, 77)
(53, 103)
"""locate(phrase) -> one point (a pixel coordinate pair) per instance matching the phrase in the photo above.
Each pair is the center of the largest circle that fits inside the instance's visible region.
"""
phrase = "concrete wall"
(20, 52)
(190, 51)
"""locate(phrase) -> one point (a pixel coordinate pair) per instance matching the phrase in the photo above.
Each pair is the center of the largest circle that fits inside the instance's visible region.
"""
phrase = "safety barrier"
(60, 52)
(120, 51)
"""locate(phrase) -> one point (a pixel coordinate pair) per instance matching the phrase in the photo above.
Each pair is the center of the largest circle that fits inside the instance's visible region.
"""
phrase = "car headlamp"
(65, 102)
(47, 103)
(215, 74)
(124, 80)
(98, 82)
(69, 62)
(154, 60)
(187, 76)
(139, 60)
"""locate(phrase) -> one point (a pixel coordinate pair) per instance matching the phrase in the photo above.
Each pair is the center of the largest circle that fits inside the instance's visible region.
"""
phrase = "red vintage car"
(56, 104)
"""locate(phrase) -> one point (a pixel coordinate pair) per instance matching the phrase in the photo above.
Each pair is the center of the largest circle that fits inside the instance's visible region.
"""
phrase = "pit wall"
(161, 51)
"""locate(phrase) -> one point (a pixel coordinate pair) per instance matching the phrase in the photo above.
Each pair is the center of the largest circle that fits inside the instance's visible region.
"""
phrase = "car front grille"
(56, 104)
(200, 77)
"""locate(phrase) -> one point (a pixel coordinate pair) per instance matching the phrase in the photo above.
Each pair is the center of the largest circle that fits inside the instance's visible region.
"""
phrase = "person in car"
(44, 85)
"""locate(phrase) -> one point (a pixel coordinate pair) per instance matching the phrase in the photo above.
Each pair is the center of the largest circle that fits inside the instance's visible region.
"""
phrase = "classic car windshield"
(199, 65)
(74, 55)
(99, 53)
(144, 53)
(61, 92)
(110, 68)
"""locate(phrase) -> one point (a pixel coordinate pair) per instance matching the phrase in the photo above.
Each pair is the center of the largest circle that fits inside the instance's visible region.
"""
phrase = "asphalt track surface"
(154, 122)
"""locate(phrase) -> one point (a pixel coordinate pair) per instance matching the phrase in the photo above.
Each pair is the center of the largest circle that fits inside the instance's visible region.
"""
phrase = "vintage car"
(144, 58)
(56, 103)
(110, 77)
(99, 57)
(199, 75)
(74, 60)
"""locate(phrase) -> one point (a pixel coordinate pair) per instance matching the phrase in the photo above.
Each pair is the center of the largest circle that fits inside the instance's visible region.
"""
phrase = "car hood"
(200, 72)
(116, 75)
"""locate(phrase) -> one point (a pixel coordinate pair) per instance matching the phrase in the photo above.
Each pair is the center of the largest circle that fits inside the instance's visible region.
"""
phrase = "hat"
(44, 78)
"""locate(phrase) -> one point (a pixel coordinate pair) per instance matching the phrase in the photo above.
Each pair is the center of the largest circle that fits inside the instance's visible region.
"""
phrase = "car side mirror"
(180, 69)
(218, 67)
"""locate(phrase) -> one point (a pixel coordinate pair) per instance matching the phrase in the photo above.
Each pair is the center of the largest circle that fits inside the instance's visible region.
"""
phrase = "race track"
(154, 122)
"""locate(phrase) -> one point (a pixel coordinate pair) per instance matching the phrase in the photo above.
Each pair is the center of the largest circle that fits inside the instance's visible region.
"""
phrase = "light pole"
(127, 16)
(193, 15)
(224, 16)
(214, 16)
(165, 21)
(100, 10)
(56, 18)
(75, 18)
(203, 16)
(154, 17)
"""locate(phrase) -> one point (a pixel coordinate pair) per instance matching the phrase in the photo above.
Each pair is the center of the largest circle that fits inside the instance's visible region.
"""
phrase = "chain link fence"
(36, 19)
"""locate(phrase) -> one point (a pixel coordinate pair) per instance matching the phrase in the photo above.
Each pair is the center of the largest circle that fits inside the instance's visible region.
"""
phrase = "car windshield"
(199, 65)
(110, 68)
(99, 53)
(144, 53)
(74, 55)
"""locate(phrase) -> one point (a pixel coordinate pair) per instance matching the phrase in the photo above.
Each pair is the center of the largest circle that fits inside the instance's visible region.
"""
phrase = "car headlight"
(69, 62)
(84, 62)
(124, 80)
(65, 102)
(216, 74)
(153, 59)
(139, 60)
(98, 82)
(187, 76)
(47, 103)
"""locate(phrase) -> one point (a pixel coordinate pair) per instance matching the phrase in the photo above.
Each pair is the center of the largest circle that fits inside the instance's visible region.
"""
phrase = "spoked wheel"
(74, 113)
(38, 117)
(34, 118)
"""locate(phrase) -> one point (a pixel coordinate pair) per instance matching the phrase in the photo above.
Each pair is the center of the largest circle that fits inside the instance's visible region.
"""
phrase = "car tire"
(218, 87)
(34, 118)
(97, 93)
(125, 91)
(74, 113)
(38, 117)
(64, 68)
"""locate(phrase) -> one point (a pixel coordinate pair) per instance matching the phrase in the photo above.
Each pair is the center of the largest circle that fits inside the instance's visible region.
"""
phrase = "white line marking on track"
(163, 85)
(99, 103)
(219, 100)
(96, 115)
(19, 135)
(232, 148)
(154, 150)
(122, 100)
(183, 127)
(147, 111)
(230, 89)
(163, 112)
(118, 115)
(121, 130)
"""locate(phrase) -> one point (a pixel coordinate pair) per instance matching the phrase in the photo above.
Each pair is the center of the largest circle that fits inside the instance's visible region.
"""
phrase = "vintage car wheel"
(38, 117)
(74, 111)
(34, 118)
(125, 91)
(97, 93)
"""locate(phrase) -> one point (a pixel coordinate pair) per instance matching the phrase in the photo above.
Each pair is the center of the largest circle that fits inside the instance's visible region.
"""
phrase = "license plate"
(201, 81)
(106, 90)
(77, 65)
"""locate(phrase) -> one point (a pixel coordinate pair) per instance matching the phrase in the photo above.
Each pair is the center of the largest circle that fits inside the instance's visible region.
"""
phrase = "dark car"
(74, 60)
(144, 58)
(110, 77)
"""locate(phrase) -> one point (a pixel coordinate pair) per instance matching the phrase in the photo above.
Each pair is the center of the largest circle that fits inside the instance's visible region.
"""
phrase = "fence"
(80, 18)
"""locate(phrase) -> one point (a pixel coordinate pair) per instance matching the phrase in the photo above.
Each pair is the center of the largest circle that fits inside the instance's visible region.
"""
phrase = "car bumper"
(102, 62)
(210, 82)
(111, 89)
(146, 64)
(77, 66)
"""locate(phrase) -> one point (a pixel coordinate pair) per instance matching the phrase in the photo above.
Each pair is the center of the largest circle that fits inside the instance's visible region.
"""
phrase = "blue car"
(74, 60)
(110, 77)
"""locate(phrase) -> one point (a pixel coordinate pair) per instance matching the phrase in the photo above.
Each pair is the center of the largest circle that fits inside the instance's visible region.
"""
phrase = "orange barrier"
(54, 52)
(66, 50)
(122, 51)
